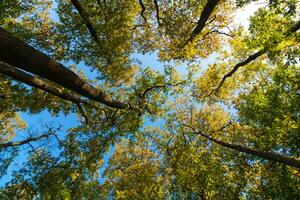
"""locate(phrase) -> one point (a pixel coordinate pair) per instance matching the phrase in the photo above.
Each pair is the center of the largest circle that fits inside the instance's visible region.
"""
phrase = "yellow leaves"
(19, 122)
(74, 175)
(133, 171)
(9, 124)
(214, 116)
(121, 75)
(209, 81)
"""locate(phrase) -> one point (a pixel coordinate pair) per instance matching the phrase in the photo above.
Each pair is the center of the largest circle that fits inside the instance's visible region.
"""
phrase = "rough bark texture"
(17, 53)
(33, 81)
(294, 162)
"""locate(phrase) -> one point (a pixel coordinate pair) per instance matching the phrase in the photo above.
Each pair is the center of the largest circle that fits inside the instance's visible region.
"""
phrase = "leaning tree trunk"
(17, 53)
(294, 162)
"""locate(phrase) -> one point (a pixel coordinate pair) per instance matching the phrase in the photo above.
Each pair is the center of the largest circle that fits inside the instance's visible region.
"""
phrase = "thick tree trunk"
(17, 53)
(28, 79)
(294, 162)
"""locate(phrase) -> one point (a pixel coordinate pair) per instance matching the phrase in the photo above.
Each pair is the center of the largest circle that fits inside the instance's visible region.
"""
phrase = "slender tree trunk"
(17, 53)
(28, 79)
(294, 162)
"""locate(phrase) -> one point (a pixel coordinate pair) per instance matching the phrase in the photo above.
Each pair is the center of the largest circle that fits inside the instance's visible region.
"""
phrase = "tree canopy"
(219, 118)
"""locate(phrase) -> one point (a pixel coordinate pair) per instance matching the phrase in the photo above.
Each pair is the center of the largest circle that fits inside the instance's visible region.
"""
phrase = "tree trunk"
(17, 53)
(294, 162)
(28, 79)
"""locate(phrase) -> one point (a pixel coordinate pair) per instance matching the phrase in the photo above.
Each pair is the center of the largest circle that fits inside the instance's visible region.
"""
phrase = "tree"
(228, 130)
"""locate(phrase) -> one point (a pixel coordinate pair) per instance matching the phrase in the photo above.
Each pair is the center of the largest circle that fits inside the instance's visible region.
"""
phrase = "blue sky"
(36, 122)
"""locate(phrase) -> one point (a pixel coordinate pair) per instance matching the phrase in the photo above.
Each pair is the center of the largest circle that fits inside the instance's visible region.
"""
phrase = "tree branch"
(33, 81)
(205, 14)
(236, 67)
(27, 141)
(222, 33)
(158, 18)
(294, 162)
(160, 86)
(143, 10)
(251, 58)
(17, 53)
(86, 20)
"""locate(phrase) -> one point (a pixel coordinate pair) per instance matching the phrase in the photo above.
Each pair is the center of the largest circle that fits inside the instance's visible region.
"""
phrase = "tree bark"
(17, 53)
(205, 14)
(294, 162)
(28, 79)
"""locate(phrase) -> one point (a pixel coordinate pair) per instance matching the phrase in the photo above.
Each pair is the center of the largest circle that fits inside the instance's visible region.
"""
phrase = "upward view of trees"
(219, 118)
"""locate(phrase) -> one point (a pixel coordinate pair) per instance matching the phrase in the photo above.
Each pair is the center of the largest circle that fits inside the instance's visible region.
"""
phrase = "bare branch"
(236, 67)
(222, 33)
(162, 86)
(294, 162)
(158, 18)
(143, 10)
(26, 141)
(251, 58)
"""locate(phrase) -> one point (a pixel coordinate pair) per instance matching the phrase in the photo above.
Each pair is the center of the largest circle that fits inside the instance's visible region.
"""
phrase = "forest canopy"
(215, 114)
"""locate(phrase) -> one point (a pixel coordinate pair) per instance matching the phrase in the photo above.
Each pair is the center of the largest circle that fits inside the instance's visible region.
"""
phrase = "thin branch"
(294, 162)
(236, 67)
(161, 86)
(143, 10)
(158, 18)
(251, 58)
(27, 141)
(222, 33)
(32, 147)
